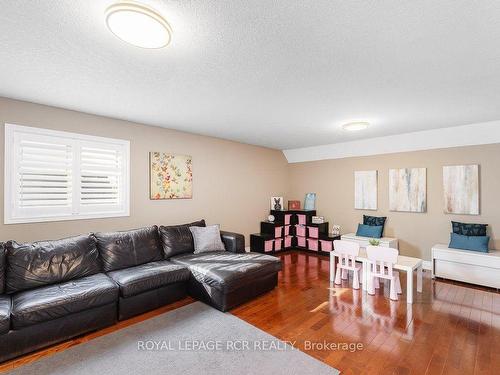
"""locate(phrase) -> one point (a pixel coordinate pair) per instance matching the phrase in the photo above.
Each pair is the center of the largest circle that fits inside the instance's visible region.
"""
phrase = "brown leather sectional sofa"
(51, 291)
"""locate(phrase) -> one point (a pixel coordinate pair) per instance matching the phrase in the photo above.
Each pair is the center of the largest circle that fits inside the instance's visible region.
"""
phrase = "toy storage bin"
(302, 219)
(288, 241)
(300, 230)
(326, 245)
(301, 241)
(277, 232)
(313, 232)
(287, 219)
(268, 245)
(312, 244)
(277, 244)
(286, 229)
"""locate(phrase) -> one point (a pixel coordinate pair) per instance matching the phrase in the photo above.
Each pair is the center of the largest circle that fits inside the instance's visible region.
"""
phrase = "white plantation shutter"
(42, 176)
(101, 177)
(53, 175)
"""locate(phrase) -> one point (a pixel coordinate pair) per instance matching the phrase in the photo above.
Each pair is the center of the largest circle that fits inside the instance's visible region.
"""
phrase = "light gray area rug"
(194, 339)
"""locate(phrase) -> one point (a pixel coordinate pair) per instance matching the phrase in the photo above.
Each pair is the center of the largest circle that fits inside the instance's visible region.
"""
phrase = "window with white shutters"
(51, 175)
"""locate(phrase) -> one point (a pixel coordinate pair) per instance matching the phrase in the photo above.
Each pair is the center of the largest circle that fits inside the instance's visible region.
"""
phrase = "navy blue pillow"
(374, 220)
(468, 229)
(474, 243)
(374, 231)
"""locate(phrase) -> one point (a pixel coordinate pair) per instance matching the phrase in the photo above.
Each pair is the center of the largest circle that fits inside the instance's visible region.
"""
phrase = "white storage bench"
(365, 241)
(467, 266)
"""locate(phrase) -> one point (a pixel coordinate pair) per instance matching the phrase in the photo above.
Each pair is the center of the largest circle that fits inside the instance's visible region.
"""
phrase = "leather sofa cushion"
(55, 301)
(177, 239)
(5, 306)
(2, 267)
(129, 248)
(32, 265)
(139, 279)
(227, 271)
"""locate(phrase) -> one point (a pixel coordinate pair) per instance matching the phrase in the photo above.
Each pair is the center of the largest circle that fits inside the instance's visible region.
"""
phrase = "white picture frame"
(277, 201)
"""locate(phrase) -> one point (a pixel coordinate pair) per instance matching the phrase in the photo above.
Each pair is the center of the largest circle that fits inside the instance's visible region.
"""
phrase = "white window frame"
(10, 179)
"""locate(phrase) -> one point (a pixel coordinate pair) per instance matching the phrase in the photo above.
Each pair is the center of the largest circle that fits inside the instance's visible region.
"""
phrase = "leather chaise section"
(225, 301)
(177, 239)
(51, 302)
(32, 265)
(5, 309)
(227, 271)
(145, 277)
(129, 248)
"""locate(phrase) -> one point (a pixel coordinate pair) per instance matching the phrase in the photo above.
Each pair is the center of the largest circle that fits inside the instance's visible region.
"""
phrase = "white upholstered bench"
(467, 266)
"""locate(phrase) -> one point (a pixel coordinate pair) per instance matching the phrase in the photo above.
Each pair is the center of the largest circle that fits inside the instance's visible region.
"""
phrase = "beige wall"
(333, 181)
(232, 182)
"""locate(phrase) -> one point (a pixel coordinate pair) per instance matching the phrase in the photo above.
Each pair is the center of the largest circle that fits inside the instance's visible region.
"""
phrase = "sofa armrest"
(234, 242)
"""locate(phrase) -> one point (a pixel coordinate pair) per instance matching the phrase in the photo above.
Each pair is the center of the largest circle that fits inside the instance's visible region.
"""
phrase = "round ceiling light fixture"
(355, 126)
(138, 25)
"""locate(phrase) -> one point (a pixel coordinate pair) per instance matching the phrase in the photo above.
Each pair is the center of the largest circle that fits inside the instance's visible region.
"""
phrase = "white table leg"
(409, 285)
(332, 268)
(365, 276)
(420, 280)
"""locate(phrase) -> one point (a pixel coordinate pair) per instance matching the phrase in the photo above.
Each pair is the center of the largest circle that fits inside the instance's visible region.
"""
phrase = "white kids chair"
(381, 262)
(347, 251)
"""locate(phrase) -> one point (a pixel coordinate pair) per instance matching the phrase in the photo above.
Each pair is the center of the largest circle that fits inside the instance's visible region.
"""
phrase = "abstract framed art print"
(365, 190)
(408, 189)
(461, 189)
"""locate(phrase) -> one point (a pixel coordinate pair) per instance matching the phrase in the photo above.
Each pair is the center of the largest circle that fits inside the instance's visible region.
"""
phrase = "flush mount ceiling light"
(138, 25)
(355, 126)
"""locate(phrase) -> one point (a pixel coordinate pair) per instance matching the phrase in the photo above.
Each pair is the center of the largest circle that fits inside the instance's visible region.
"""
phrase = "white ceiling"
(282, 74)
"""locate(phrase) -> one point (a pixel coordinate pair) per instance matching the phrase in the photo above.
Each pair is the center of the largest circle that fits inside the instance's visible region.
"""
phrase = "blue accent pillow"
(474, 243)
(374, 231)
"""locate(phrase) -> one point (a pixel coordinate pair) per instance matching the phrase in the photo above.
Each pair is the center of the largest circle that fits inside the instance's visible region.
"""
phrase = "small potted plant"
(374, 242)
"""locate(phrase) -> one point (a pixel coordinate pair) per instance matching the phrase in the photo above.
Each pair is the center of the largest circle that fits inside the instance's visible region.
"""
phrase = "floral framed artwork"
(170, 176)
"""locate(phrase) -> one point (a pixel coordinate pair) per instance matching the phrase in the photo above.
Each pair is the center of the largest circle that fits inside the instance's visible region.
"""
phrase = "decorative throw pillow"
(374, 220)
(469, 229)
(475, 243)
(207, 239)
(373, 231)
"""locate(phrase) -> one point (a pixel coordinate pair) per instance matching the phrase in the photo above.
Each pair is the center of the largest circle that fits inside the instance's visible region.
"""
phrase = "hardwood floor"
(450, 329)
